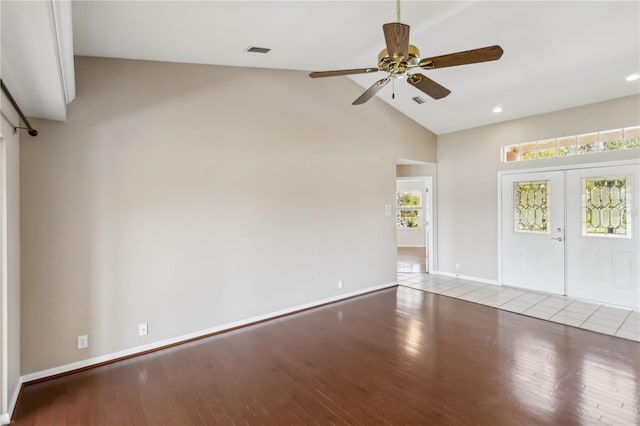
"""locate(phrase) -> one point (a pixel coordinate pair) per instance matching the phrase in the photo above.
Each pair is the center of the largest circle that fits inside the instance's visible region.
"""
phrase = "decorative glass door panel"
(605, 205)
(531, 201)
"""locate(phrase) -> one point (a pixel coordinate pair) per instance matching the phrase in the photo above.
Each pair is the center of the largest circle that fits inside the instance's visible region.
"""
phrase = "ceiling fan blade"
(371, 91)
(319, 74)
(396, 35)
(428, 86)
(484, 54)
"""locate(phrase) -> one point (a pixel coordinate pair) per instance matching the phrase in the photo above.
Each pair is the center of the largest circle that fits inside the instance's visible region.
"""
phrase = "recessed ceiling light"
(497, 109)
(254, 49)
(632, 77)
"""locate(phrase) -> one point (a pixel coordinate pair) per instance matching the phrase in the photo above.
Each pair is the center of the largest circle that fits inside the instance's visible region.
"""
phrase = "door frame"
(562, 168)
(427, 211)
(4, 327)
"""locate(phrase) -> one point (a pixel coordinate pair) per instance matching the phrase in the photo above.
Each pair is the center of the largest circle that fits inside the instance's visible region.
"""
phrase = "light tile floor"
(596, 317)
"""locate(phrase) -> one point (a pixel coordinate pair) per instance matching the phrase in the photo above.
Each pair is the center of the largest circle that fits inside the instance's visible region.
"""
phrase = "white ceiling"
(557, 54)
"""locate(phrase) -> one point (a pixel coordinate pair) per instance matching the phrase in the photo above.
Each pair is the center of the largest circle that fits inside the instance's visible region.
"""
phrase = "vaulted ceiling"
(557, 54)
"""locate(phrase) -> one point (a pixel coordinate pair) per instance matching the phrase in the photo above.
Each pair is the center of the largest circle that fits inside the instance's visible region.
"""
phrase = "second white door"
(602, 231)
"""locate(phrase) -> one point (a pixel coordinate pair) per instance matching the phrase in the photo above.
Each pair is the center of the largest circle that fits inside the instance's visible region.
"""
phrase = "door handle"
(557, 238)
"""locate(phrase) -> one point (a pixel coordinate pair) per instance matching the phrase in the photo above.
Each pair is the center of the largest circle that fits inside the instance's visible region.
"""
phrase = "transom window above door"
(607, 140)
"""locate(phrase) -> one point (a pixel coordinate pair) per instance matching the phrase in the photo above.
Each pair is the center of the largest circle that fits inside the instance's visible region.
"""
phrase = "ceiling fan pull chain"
(393, 89)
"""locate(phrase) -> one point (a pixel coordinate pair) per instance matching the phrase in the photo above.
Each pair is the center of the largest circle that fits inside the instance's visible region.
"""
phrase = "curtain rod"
(32, 131)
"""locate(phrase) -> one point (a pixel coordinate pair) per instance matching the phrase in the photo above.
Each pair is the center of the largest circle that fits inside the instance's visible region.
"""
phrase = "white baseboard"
(5, 418)
(466, 277)
(171, 341)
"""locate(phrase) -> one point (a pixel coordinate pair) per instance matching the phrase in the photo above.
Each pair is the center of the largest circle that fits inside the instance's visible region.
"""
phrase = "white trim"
(61, 27)
(565, 167)
(5, 418)
(466, 277)
(503, 149)
(565, 252)
(4, 279)
(14, 397)
(178, 339)
(406, 162)
(430, 249)
(499, 218)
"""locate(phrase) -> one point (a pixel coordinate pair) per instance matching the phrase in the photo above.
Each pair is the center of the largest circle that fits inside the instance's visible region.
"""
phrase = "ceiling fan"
(400, 57)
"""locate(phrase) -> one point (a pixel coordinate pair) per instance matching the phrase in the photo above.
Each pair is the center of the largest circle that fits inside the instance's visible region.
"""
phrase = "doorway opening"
(414, 238)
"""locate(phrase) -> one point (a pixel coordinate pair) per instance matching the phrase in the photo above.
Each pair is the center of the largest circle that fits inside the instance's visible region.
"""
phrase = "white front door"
(533, 231)
(602, 234)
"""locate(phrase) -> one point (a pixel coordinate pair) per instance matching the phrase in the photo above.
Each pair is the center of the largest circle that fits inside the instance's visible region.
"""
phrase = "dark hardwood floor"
(412, 259)
(398, 356)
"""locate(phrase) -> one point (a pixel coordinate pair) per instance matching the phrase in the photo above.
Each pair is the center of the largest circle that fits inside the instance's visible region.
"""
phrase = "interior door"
(533, 231)
(602, 234)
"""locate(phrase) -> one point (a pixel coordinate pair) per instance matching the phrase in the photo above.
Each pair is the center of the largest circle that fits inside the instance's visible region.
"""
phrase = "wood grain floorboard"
(412, 259)
(396, 357)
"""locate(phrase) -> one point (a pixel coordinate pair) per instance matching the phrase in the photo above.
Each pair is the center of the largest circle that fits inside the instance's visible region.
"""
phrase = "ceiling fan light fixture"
(497, 110)
(632, 77)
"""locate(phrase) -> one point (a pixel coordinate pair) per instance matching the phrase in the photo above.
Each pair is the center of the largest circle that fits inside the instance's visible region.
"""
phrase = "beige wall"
(416, 170)
(10, 237)
(417, 151)
(191, 196)
(468, 163)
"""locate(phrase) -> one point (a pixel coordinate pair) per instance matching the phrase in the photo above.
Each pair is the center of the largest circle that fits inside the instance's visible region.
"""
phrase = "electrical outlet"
(457, 266)
(83, 341)
(340, 284)
(142, 329)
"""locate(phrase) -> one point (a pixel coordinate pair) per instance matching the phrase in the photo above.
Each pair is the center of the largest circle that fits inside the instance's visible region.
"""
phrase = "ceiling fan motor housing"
(398, 67)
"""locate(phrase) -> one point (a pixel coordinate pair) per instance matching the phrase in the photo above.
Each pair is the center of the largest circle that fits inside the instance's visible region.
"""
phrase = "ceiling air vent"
(418, 100)
(254, 49)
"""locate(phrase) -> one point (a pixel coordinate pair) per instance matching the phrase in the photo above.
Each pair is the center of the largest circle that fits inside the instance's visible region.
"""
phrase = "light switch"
(387, 209)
